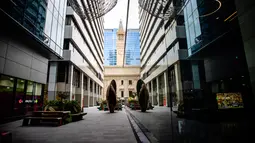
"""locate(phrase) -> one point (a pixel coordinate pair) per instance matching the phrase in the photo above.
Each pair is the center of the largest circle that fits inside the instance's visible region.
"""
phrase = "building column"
(52, 81)
(152, 101)
(178, 82)
(166, 87)
(70, 79)
(93, 92)
(88, 91)
(157, 91)
(81, 85)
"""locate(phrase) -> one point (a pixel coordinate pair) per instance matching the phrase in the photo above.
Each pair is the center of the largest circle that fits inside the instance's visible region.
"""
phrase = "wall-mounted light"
(208, 14)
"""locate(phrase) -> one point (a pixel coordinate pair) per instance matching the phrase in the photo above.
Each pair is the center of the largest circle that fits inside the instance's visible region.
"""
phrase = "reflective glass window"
(54, 29)
(19, 98)
(38, 101)
(50, 6)
(29, 97)
(47, 28)
(6, 95)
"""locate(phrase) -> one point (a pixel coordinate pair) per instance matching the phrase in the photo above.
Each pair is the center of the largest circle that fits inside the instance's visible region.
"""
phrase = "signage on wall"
(28, 101)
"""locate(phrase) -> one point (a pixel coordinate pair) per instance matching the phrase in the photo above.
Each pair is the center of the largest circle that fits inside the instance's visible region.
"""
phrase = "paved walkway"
(157, 121)
(97, 127)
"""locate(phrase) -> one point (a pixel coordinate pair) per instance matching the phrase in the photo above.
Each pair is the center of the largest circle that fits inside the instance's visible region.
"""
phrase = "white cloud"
(113, 17)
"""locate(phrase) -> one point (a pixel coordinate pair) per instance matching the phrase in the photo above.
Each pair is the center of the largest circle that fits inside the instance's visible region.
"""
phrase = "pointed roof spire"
(121, 25)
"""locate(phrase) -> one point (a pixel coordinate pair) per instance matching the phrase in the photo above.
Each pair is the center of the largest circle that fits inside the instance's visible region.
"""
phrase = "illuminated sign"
(28, 101)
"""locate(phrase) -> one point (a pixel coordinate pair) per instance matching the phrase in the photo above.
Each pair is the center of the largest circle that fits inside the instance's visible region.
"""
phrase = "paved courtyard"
(97, 127)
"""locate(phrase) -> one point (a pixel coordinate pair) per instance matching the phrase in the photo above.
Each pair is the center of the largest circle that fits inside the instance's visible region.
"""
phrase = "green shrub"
(72, 106)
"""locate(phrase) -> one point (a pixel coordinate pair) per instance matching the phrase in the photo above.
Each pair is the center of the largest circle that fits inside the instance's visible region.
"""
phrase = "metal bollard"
(6, 137)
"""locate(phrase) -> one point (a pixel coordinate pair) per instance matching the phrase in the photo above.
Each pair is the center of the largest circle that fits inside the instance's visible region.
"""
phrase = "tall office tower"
(114, 46)
(164, 67)
(31, 34)
(110, 38)
(132, 54)
(216, 49)
(80, 74)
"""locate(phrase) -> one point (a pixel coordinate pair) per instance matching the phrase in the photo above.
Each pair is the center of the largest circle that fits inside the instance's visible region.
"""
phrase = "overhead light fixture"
(92, 9)
(208, 14)
(230, 16)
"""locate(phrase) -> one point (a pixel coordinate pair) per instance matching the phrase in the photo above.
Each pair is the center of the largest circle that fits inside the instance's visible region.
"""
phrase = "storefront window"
(38, 97)
(19, 98)
(6, 95)
(29, 97)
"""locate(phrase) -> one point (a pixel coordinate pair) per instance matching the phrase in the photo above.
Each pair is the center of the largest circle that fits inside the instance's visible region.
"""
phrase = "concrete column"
(166, 87)
(246, 12)
(152, 93)
(157, 89)
(178, 82)
(52, 81)
(70, 81)
(93, 92)
(88, 91)
(81, 85)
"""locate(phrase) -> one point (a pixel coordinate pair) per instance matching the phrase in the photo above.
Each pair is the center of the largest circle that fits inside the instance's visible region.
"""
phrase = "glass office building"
(34, 36)
(110, 50)
(132, 54)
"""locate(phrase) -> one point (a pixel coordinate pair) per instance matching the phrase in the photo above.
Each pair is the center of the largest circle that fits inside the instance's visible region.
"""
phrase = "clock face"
(120, 52)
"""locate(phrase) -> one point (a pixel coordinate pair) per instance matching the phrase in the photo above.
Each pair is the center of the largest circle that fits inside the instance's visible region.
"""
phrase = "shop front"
(19, 97)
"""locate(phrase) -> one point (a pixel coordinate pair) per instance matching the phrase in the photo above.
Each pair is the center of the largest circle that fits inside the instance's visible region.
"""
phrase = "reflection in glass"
(19, 98)
(6, 95)
(29, 97)
(38, 101)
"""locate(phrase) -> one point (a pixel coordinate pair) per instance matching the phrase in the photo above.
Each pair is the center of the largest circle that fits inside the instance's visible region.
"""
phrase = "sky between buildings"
(113, 17)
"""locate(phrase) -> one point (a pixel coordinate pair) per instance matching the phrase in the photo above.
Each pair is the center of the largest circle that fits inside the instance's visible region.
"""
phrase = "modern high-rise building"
(164, 67)
(113, 45)
(132, 54)
(110, 50)
(31, 34)
(216, 49)
(80, 74)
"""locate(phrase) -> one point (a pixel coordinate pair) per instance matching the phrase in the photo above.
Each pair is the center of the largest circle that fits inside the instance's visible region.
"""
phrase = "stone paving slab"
(97, 127)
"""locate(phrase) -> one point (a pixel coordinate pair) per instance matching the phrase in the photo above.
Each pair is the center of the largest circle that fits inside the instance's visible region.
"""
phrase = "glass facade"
(19, 97)
(132, 54)
(43, 18)
(192, 24)
(110, 38)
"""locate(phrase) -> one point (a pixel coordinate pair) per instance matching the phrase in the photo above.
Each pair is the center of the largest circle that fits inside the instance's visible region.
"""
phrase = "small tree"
(63, 96)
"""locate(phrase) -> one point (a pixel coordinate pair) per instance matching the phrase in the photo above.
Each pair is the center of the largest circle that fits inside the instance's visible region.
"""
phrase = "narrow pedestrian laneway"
(97, 127)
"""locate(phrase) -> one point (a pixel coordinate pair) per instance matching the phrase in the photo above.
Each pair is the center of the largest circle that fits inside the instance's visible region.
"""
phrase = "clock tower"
(120, 44)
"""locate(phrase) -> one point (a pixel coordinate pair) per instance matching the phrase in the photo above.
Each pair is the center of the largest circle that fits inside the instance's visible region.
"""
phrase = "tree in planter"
(62, 97)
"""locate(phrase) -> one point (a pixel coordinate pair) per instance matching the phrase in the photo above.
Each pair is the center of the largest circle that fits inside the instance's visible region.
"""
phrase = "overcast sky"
(113, 17)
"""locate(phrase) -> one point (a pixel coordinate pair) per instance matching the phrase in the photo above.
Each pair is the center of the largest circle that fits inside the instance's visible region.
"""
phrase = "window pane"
(192, 34)
(50, 6)
(38, 97)
(29, 97)
(6, 95)
(47, 28)
(54, 29)
(19, 98)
